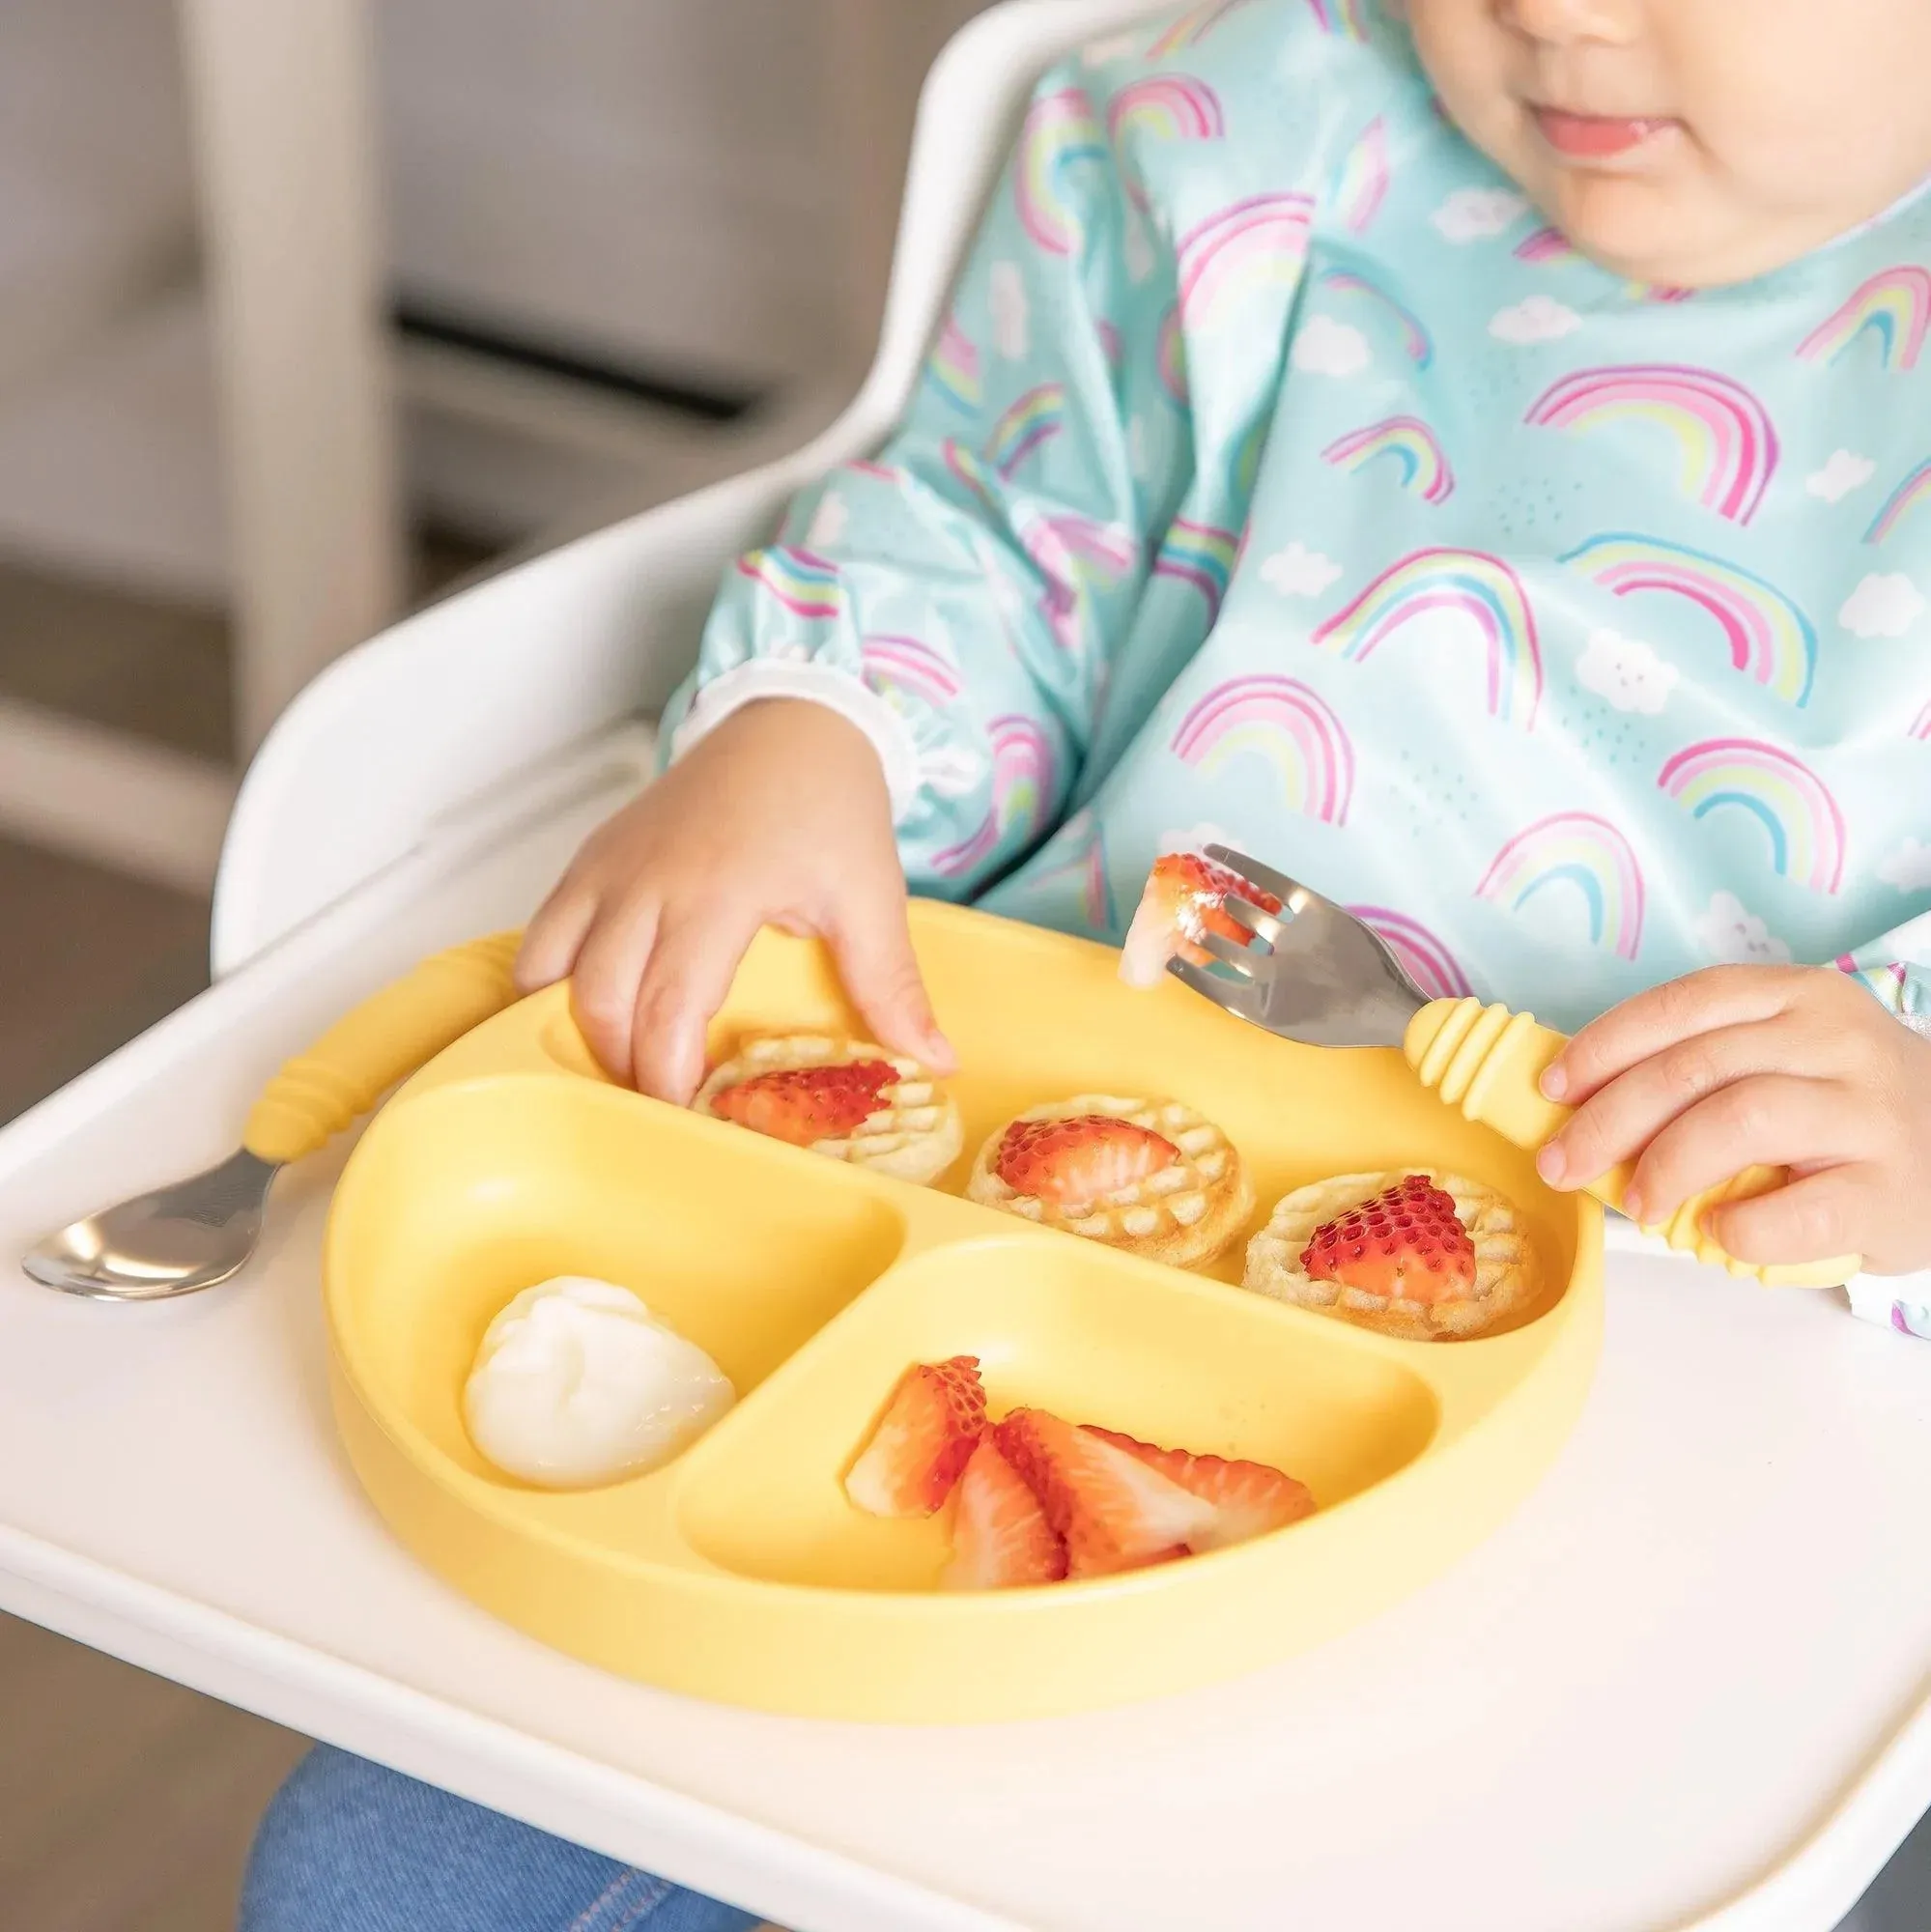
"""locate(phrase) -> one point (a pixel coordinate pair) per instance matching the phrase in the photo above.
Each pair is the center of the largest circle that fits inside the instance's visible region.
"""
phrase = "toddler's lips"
(1596, 137)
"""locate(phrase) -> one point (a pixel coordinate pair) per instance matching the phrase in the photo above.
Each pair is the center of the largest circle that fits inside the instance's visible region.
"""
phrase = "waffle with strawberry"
(842, 1098)
(1151, 1176)
(1417, 1253)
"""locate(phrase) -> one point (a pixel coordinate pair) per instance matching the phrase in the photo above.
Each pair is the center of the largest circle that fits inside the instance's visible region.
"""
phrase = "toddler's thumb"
(873, 949)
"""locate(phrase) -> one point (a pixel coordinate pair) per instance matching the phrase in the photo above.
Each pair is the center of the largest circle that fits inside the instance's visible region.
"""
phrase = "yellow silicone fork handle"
(1487, 1061)
(389, 1036)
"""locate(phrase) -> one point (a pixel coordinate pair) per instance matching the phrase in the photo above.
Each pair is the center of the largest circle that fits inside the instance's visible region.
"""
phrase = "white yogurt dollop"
(577, 1382)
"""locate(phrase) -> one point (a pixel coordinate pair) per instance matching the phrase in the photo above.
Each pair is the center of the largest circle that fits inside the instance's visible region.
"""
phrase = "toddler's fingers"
(1622, 1117)
(1810, 1220)
(690, 972)
(1772, 1119)
(555, 937)
(1642, 1027)
(604, 986)
(873, 945)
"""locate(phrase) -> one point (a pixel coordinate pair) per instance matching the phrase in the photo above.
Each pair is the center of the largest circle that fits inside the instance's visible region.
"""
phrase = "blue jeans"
(346, 1846)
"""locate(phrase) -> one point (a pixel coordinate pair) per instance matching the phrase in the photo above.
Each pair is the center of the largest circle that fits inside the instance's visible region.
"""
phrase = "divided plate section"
(461, 1197)
(1056, 1325)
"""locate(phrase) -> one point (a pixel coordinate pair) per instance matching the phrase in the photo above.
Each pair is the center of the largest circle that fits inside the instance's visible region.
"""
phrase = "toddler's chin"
(1640, 228)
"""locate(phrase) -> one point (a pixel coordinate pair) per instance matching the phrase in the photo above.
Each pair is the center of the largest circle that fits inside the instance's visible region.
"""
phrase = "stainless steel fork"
(1311, 972)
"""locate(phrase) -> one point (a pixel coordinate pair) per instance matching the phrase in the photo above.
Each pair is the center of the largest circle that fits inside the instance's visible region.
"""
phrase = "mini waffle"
(906, 1125)
(1506, 1276)
(1183, 1211)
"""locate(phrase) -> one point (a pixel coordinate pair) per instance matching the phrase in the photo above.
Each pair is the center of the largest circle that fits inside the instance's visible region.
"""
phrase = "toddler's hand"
(778, 817)
(1794, 1066)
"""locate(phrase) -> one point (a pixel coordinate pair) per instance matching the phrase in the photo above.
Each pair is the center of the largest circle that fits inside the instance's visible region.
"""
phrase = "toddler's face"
(1691, 142)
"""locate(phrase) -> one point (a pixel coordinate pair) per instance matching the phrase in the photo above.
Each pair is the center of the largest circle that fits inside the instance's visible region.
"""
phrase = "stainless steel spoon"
(196, 1232)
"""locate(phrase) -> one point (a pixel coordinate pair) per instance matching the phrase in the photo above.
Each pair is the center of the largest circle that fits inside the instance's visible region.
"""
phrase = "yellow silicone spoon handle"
(1487, 1061)
(389, 1036)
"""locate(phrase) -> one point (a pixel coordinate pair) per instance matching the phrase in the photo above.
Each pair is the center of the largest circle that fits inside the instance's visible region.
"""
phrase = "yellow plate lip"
(1437, 1366)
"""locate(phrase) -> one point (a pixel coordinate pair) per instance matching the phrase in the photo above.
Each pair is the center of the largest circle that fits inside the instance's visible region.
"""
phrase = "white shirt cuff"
(854, 700)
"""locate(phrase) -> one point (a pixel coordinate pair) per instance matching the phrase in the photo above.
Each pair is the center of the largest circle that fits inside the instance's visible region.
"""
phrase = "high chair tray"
(1682, 1687)
(741, 1570)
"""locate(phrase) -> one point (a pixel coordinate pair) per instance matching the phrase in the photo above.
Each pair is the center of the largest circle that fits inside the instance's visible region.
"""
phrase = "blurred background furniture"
(280, 288)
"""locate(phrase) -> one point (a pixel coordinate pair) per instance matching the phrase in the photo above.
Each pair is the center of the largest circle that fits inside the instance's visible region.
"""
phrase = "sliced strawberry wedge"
(1185, 896)
(808, 1104)
(1112, 1510)
(1083, 1158)
(925, 1439)
(1000, 1539)
(1248, 1499)
(1406, 1243)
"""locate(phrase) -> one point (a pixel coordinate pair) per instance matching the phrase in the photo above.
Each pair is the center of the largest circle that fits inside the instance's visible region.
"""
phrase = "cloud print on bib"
(1326, 346)
(1538, 318)
(1626, 672)
(1477, 213)
(1735, 936)
(1881, 607)
(1840, 474)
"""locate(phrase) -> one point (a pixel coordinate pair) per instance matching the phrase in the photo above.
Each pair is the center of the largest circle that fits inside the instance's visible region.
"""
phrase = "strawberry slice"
(1114, 1511)
(1406, 1243)
(1185, 896)
(1248, 1499)
(1080, 1159)
(1000, 1539)
(923, 1440)
(808, 1104)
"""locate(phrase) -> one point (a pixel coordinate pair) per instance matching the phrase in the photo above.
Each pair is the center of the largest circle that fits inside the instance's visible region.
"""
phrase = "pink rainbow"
(1279, 720)
(1263, 230)
(955, 860)
(910, 666)
(1726, 441)
(1428, 963)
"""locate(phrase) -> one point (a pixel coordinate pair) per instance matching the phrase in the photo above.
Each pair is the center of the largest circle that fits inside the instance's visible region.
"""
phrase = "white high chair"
(518, 682)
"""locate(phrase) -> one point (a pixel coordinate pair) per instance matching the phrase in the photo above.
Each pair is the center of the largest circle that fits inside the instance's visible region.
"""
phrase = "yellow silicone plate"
(740, 1571)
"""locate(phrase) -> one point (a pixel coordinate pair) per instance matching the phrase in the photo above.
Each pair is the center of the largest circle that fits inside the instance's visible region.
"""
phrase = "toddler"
(1474, 460)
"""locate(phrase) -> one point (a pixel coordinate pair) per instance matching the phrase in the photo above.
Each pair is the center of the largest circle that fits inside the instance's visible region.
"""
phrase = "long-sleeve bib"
(1279, 474)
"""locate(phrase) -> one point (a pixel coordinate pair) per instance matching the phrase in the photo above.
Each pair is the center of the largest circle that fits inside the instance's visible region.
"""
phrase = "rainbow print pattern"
(1545, 245)
(1770, 638)
(1727, 445)
(1471, 585)
(1287, 727)
(1257, 244)
(1077, 556)
(1409, 444)
(956, 861)
(1578, 850)
(1244, 471)
(804, 583)
(1921, 729)
(1900, 503)
(971, 475)
(904, 667)
(1024, 774)
(1077, 854)
(1035, 419)
(1167, 108)
(954, 367)
(1416, 342)
(1061, 135)
(1173, 359)
(1428, 963)
(1201, 558)
(1363, 183)
(1793, 805)
(1192, 28)
(1893, 307)
(1347, 18)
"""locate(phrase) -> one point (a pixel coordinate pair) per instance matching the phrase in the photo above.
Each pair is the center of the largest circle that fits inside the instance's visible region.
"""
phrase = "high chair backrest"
(440, 711)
